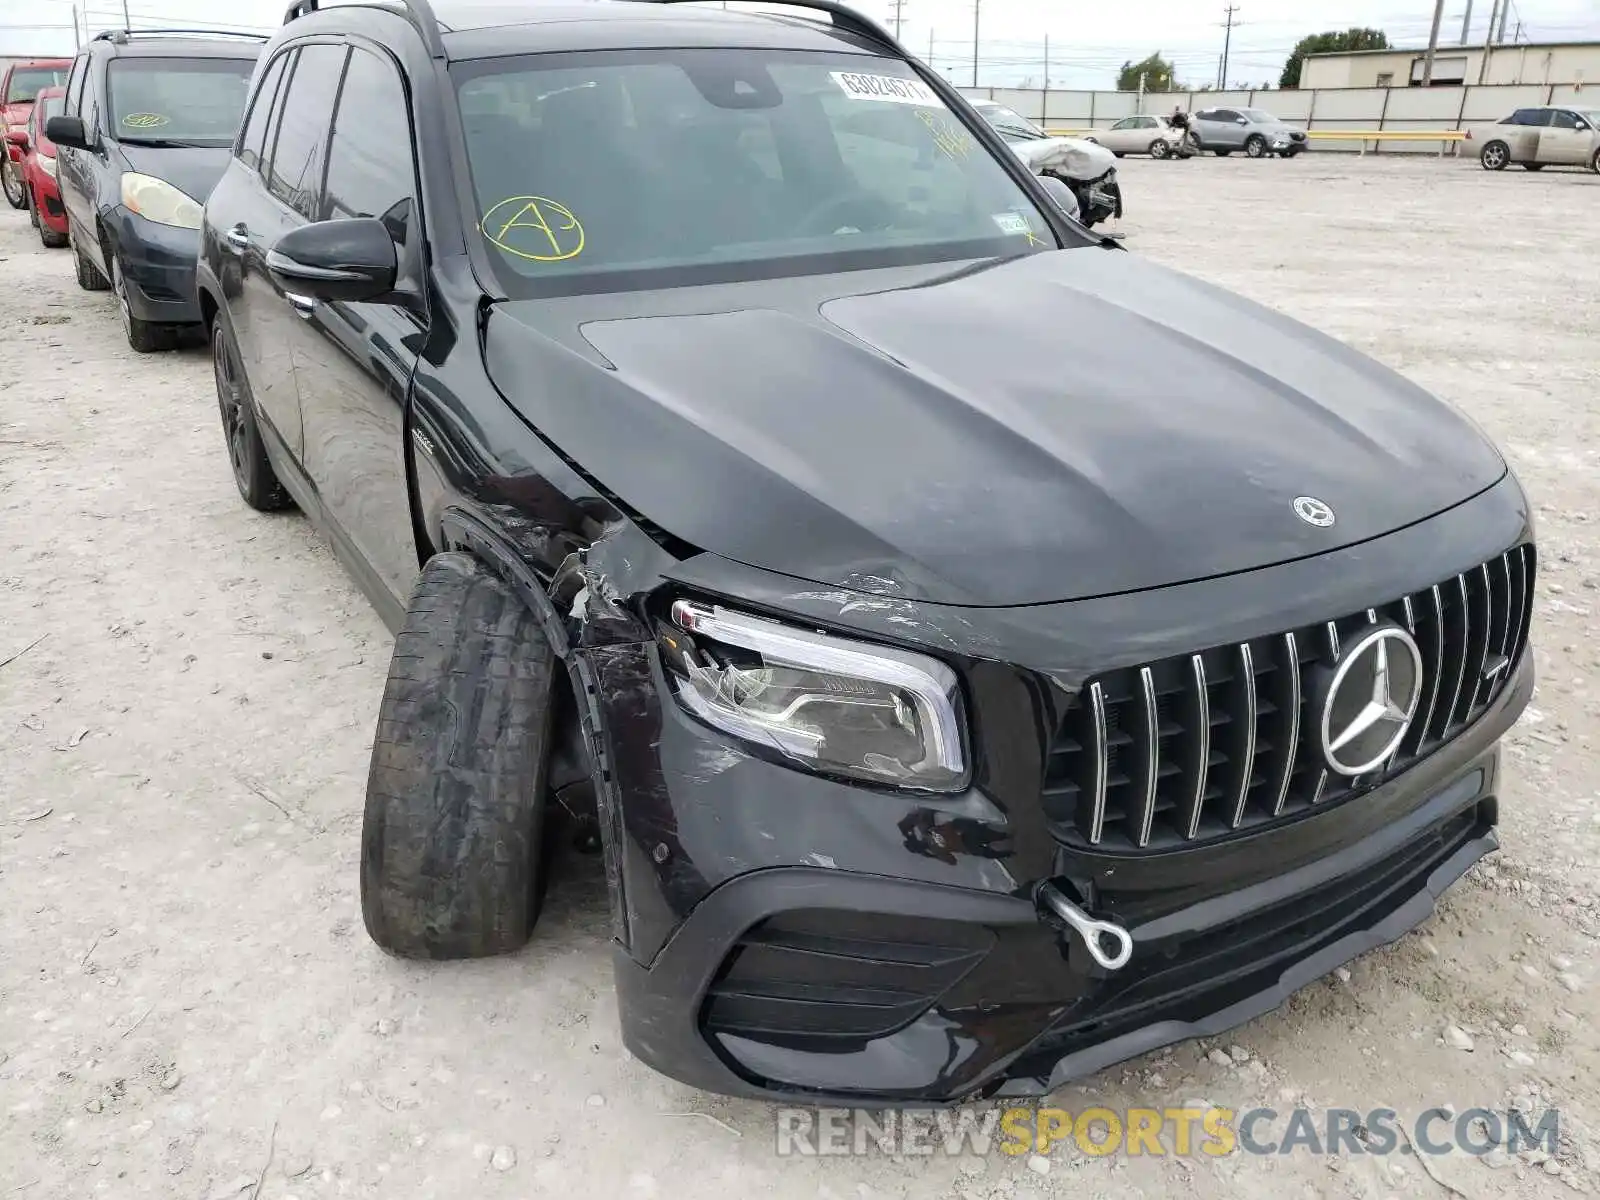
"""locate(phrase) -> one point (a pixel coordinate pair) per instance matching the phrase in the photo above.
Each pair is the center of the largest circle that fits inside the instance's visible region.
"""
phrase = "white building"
(1543, 63)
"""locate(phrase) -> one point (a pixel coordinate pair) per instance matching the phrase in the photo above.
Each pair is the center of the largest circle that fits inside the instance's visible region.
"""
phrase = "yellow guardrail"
(1447, 138)
(1389, 135)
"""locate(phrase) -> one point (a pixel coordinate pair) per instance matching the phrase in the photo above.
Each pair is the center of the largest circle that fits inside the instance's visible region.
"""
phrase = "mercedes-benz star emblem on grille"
(1371, 699)
(1313, 511)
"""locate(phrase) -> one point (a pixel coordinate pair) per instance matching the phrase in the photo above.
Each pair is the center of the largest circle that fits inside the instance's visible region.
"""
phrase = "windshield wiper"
(158, 143)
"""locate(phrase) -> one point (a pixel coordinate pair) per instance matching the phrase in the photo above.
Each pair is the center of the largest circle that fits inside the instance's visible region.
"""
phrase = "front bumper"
(48, 194)
(825, 985)
(782, 934)
(159, 263)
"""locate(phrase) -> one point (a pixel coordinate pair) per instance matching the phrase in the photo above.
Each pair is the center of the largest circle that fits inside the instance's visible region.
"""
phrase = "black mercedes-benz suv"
(983, 655)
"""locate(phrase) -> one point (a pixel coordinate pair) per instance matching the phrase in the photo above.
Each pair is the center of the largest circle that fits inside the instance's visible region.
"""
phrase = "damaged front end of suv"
(991, 655)
(971, 745)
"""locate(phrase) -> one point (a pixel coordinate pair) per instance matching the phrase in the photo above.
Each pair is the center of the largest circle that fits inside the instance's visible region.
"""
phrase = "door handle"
(239, 237)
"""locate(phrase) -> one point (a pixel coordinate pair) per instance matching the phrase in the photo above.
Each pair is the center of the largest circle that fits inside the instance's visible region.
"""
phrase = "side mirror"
(1242, 121)
(350, 259)
(18, 138)
(1066, 200)
(67, 131)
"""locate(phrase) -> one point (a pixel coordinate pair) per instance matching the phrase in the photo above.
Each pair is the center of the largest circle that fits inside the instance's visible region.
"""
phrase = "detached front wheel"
(451, 844)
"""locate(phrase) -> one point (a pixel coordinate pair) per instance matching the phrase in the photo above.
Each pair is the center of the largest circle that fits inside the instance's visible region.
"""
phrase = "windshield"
(1008, 121)
(27, 82)
(191, 102)
(1592, 115)
(1259, 117)
(618, 170)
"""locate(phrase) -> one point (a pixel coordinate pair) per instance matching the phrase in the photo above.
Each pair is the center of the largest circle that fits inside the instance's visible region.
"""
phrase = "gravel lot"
(189, 1006)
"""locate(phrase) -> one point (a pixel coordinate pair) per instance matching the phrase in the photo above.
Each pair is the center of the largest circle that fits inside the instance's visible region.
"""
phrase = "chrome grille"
(1197, 746)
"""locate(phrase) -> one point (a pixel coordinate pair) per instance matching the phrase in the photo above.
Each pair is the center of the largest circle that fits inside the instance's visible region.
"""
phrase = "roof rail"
(843, 16)
(122, 35)
(418, 12)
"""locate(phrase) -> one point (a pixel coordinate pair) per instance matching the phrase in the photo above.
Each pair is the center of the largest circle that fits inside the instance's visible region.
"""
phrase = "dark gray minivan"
(143, 135)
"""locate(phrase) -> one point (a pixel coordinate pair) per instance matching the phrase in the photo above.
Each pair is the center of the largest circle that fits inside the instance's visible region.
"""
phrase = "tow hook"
(1094, 933)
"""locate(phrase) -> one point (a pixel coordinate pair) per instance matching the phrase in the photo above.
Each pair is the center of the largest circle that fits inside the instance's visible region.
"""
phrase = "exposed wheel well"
(208, 308)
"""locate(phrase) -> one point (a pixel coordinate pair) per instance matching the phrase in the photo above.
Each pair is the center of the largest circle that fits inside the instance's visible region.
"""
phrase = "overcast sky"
(1087, 41)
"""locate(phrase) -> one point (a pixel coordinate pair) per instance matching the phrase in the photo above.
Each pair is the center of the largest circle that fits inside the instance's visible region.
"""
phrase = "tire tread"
(451, 854)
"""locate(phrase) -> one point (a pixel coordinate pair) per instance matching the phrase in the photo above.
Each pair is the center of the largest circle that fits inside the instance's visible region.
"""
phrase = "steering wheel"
(860, 209)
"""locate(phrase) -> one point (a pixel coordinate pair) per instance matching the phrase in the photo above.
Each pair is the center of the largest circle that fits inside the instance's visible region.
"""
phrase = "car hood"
(1072, 157)
(1048, 427)
(193, 170)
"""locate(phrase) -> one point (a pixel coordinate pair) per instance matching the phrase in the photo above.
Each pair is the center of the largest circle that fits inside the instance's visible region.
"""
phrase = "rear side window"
(1530, 116)
(254, 137)
(304, 121)
(370, 163)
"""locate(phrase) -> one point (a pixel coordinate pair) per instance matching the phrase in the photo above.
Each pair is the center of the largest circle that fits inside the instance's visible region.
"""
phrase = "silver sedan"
(1139, 135)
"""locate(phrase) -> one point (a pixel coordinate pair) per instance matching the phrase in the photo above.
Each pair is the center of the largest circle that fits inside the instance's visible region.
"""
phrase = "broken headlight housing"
(832, 705)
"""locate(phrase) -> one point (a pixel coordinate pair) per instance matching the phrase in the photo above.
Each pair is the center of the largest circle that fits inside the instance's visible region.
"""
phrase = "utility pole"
(1466, 24)
(1488, 40)
(930, 47)
(75, 43)
(899, 16)
(1433, 43)
(126, 22)
(1227, 44)
(1505, 13)
(977, 7)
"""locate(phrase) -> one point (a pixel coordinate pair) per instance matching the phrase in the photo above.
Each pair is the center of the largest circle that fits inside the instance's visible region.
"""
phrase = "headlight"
(47, 164)
(836, 706)
(157, 200)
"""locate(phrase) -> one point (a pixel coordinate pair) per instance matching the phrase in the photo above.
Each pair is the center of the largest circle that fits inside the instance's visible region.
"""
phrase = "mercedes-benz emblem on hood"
(1371, 699)
(1313, 511)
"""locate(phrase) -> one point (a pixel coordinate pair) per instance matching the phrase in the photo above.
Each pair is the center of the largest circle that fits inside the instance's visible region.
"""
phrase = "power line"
(899, 16)
(1433, 43)
(1227, 44)
(977, 7)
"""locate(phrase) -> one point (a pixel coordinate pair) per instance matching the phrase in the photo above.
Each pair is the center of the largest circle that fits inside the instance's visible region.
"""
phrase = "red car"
(39, 170)
(19, 84)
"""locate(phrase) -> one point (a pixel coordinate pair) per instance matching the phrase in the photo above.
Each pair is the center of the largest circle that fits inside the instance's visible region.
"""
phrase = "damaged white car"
(1089, 170)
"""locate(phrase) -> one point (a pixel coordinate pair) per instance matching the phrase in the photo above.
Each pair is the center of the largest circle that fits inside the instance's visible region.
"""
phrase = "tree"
(1328, 43)
(1157, 72)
